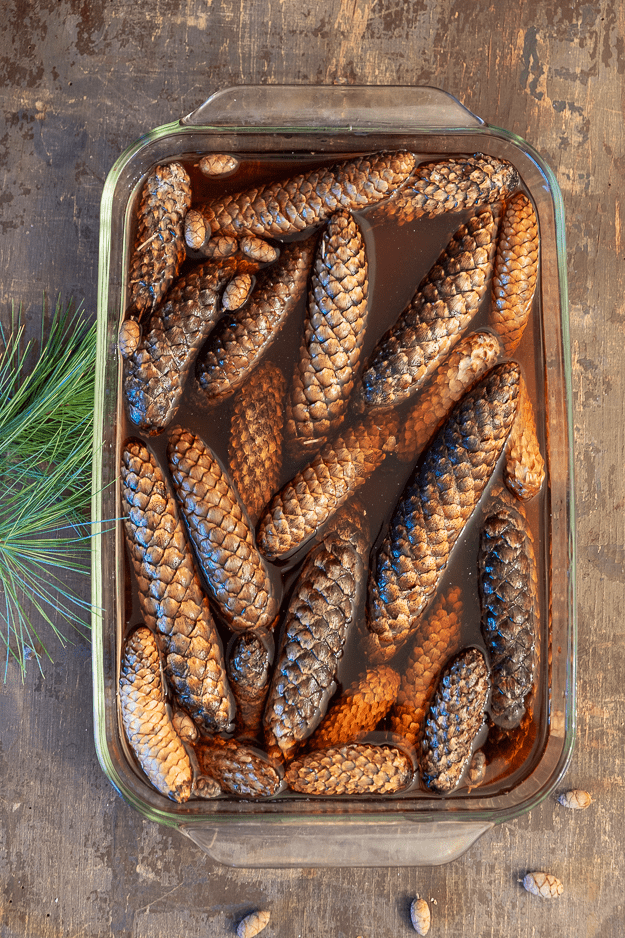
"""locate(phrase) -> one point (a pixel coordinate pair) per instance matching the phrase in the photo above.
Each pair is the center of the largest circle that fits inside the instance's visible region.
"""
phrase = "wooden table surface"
(81, 81)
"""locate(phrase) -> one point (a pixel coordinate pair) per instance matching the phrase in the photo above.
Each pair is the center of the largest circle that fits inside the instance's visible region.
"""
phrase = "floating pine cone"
(515, 272)
(436, 639)
(452, 186)
(320, 615)
(435, 505)
(159, 243)
(357, 769)
(445, 302)
(455, 718)
(524, 467)
(316, 492)
(156, 371)
(304, 202)
(149, 729)
(238, 768)
(244, 336)
(508, 585)
(221, 531)
(218, 164)
(170, 593)
(334, 331)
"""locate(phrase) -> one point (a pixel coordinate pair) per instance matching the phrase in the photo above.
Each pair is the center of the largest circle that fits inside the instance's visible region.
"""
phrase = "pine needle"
(46, 437)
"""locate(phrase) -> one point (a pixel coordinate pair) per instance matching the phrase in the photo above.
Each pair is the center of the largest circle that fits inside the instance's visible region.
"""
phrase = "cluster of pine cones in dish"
(261, 565)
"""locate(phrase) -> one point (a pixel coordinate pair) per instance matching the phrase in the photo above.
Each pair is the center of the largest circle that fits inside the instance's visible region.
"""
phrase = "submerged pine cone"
(256, 437)
(437, 502)
(221, 532)
(303, 202)
(469, 360)
(159, 244)
(156, 370)
(321, 613)
(524, 468)
(334, 331)
(436, 640)
(248, 669)
(452, 186)
(170, 594)
(146, 720)
(508, 583)
(455, 717)
(238, 768)
(445, 302)
(358, 710)
(515, 272)
(356, 769)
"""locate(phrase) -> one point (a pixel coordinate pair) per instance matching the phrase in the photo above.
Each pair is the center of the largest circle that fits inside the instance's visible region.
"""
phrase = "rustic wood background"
(80, 81)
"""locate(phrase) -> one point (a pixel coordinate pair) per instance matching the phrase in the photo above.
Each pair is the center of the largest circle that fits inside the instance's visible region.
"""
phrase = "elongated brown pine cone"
(508, 584)
(170, 594)
(256, 437)
(435, 505)
(239, 769)
(221, 532)
(454, 719)
(436, 640)
(524, 467)
(147, 724)
(356, 769)
(243, 337)
(451, 186)
(159, 244)
(358, 710)
(248, 670)
(320, 614)
(315, 493)
(515, 272)
(303, 202)
(334, 331)
(466, 364)
(156, 371)
(434, 320)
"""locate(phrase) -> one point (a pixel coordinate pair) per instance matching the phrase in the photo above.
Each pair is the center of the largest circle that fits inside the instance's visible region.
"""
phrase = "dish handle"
(283, 844)
(349, 108)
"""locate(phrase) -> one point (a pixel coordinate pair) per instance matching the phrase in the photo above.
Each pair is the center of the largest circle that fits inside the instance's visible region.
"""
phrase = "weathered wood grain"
(79, 83)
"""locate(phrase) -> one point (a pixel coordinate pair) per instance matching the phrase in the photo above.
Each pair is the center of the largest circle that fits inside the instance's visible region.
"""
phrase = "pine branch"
(46, 436)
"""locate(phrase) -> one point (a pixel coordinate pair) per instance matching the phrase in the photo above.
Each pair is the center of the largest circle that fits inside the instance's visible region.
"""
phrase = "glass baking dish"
(301, 123)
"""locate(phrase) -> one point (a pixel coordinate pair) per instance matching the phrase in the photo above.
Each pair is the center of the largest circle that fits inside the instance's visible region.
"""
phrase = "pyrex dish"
(285, 126)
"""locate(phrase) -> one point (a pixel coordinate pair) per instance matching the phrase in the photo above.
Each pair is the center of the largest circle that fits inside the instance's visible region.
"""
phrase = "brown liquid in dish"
(398, 258)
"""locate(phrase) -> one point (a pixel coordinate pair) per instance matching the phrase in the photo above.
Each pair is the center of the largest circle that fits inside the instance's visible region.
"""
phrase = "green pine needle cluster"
(46, 437)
